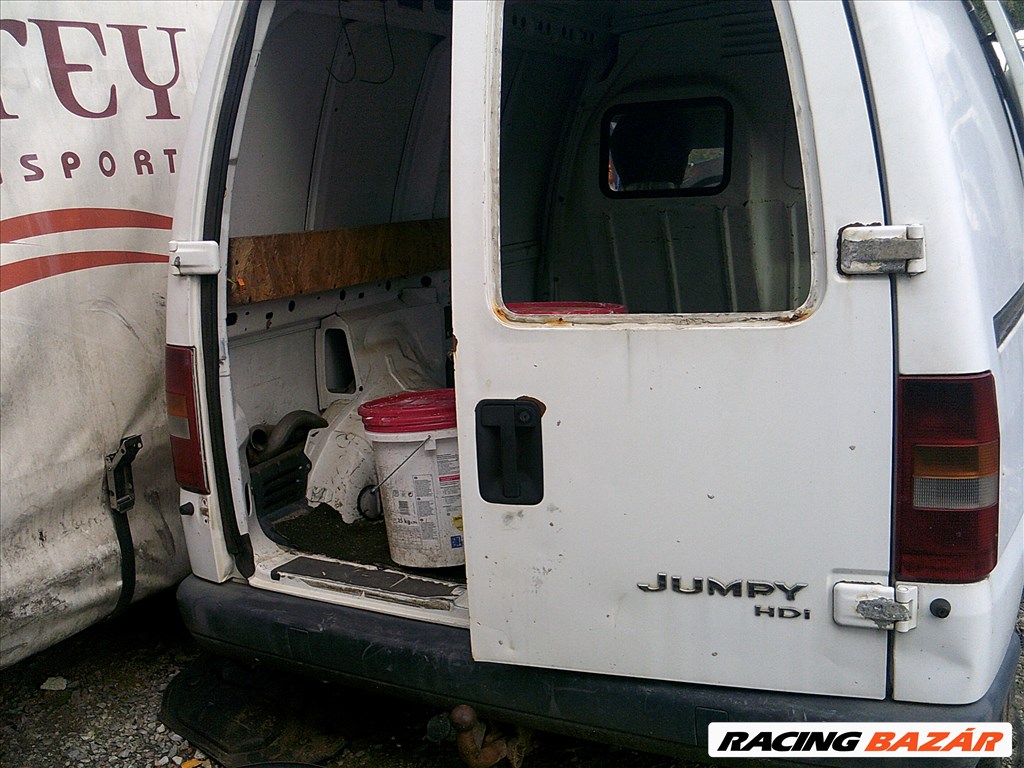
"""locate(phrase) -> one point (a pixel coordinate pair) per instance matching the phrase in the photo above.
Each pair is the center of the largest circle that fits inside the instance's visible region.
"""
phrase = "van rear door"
(672, 493)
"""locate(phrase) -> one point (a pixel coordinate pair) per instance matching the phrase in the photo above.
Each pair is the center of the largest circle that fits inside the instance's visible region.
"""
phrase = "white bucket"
(415, 450)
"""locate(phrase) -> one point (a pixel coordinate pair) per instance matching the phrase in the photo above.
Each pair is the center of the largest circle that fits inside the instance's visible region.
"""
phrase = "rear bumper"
(433, 663)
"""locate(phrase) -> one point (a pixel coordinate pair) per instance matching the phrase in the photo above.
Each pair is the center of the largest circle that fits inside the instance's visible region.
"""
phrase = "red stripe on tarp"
(74, 219)
(31, 270)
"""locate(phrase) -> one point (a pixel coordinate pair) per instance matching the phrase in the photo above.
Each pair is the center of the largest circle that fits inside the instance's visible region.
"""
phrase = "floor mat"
(321, 531)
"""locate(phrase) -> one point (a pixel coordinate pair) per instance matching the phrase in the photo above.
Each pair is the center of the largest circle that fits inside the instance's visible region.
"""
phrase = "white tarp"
(94, 103)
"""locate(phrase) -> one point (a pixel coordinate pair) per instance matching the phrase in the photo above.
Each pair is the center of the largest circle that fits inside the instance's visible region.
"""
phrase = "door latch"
(510, 457)
(880, 250)
(118, 465)
(195, 257)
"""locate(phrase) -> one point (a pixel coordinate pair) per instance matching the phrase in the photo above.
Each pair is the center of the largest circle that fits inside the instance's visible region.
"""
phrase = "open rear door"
(672, 494)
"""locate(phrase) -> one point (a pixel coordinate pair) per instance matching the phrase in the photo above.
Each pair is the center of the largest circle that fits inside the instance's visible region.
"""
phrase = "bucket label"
(447, 466)
(422, 487)
(403, 519)
(426, 513)
(423, 503)
(451, 493)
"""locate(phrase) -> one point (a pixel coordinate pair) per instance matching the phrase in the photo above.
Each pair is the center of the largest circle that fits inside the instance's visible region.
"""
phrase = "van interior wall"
(741, 249)
(346, 129)
(270, 187)
(339, 252)
(335, 104)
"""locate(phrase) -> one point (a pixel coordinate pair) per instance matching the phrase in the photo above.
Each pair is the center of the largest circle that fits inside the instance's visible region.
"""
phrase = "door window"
(649, 160)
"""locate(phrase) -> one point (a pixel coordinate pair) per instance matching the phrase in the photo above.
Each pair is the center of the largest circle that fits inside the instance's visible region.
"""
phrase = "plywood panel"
(274, 266)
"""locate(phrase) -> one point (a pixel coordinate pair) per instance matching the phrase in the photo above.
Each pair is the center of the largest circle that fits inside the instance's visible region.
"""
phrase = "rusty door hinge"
(874, 606)
(880, 250)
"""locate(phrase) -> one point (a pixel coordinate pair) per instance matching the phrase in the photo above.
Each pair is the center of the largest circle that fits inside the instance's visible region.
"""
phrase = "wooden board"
(274, 266)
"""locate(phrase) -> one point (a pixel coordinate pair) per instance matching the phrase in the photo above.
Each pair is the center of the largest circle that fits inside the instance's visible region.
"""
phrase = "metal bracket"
(880, 250)
(906, 597)
(195, 257)
(874, 606)
(120, 486)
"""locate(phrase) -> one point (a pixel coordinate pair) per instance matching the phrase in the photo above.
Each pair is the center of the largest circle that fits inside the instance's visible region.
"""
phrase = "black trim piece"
(126, 547)
(238, 544)
(226, 123)
(1006, 319)
(433, 663)
(865, 78)
(119, 487)
(883, 191)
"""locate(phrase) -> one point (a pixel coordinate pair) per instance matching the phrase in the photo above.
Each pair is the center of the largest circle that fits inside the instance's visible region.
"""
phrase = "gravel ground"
(94, 701)
(108, 685)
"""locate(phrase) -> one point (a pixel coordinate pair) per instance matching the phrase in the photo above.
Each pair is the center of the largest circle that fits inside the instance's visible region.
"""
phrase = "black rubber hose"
(289, 430)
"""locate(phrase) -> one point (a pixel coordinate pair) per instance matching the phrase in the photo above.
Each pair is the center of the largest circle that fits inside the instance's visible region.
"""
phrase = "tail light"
(182, 420)
(947, 478)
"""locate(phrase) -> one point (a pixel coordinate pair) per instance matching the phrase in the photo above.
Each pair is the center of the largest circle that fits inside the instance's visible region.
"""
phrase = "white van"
(730, 298)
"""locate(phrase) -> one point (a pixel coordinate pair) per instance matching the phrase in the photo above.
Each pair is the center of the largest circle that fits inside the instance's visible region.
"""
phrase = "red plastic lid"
(566, 308)
(410, 412)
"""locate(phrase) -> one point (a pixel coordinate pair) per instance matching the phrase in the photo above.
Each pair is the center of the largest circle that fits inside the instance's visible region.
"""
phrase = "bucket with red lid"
(416, 452)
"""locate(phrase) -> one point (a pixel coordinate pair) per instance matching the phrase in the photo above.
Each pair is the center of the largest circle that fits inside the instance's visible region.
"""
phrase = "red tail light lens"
(947, 478)
(182, 420)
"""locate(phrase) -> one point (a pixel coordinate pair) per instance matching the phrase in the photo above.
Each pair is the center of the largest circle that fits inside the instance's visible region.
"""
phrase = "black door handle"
(509, 451)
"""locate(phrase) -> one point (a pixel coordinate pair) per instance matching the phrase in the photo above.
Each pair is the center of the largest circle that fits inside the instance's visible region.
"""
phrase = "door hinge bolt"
(907, 596)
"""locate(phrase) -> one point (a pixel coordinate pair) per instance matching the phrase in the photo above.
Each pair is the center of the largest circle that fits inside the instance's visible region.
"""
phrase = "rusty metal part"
(481, 745)
(477, 747)
(884, 612)
(519, 746)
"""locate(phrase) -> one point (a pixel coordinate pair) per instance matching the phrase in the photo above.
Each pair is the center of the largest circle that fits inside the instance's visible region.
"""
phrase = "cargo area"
(571, 330)
(649, 162)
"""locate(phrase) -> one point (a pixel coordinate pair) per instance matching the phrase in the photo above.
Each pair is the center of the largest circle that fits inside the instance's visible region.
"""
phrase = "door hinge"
(195, 257)
(879, 250)
(874, 606)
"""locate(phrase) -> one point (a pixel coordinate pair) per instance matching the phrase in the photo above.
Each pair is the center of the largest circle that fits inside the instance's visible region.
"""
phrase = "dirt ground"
(114, 675)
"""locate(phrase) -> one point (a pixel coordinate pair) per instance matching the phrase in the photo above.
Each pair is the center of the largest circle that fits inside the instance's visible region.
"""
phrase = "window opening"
(653, 165)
